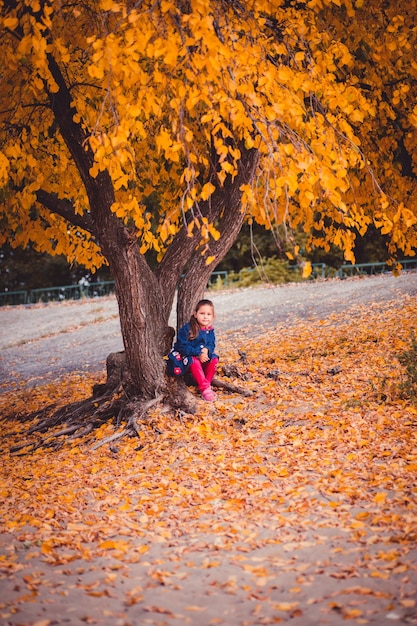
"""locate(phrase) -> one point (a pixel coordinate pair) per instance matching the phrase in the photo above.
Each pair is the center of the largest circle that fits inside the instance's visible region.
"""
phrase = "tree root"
(139, 412)
(222, 384)
(117, 405)
(113, 401)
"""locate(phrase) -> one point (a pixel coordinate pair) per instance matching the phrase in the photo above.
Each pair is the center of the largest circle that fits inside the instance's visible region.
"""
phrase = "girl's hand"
(204, 355)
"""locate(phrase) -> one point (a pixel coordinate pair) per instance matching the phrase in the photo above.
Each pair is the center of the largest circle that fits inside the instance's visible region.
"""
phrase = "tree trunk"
(143, 321)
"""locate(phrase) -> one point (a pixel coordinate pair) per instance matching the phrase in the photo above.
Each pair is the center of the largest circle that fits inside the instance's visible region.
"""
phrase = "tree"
(25, 269)
(220, 110)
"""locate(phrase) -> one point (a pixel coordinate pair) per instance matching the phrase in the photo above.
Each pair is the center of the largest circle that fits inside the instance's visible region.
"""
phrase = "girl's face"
(204, 315)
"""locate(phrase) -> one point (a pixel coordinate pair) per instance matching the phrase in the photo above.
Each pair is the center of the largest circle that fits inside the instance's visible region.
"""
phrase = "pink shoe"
(208, 394)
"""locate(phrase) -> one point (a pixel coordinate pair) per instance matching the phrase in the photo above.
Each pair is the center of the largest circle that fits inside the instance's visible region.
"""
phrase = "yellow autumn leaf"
(352, 613)
(207, 191)
(213, 232)
(11, 23)
(380, 497)
(285, 606)
(107, 5)
(408, 603)
(109, 544)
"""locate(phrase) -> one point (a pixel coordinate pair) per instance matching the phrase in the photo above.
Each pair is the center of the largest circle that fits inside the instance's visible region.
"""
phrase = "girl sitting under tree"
(195, 347)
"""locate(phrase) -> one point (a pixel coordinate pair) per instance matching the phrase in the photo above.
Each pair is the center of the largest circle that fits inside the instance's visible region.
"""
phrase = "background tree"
(25, 269)
(221, 110)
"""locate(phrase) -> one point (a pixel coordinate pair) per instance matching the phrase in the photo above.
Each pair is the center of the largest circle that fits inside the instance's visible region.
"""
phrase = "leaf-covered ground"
(297, 504)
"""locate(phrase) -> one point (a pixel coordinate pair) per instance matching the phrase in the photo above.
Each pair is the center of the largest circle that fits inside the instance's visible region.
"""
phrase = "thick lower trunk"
(144, 325)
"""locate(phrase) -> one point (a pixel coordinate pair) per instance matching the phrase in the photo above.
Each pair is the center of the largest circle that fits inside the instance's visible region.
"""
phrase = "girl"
(196, 340)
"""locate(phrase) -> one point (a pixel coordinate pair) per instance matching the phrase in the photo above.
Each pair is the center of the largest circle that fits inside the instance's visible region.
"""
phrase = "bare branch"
(65, 209)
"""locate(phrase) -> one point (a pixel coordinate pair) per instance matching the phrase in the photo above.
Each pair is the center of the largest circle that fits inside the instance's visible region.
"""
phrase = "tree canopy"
(157, 89)
(276, 111)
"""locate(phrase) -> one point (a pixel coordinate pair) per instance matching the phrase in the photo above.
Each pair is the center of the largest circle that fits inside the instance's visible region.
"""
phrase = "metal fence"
(105, 288)
(57, 294)
(369, 269)
(10, 298)
(74, 292)
(71, 292)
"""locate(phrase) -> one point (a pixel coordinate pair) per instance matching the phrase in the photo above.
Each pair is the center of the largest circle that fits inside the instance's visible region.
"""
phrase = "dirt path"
(43, 342)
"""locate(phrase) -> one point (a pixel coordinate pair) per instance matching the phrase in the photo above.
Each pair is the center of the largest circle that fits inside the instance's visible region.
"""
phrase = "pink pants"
(203, 372)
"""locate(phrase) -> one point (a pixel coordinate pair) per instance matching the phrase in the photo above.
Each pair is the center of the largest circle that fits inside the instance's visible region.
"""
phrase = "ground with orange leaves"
(297, 504)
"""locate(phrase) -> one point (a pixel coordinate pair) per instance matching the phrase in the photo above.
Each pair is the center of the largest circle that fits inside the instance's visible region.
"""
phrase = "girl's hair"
(194, 325)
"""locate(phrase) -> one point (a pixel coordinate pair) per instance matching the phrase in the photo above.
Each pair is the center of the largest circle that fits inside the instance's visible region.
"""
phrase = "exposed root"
(77, 420)
(112, 405)
(222, 384)
(114, 401)
(139, 411)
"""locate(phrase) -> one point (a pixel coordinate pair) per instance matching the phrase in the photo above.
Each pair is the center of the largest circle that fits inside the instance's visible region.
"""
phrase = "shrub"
(273, 270)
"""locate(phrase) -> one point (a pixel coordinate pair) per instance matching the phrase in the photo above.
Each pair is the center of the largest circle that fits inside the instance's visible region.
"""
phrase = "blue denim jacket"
(192, 347)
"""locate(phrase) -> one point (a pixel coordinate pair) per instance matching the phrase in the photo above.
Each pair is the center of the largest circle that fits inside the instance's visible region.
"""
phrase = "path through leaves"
(297, 504)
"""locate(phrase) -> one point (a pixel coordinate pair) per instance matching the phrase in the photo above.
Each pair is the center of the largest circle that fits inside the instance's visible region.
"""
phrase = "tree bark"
(142, 320)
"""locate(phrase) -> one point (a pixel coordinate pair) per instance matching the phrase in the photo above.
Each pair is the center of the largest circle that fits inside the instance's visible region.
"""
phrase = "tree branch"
(182, 257)
(228, 222)
(65, 209)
